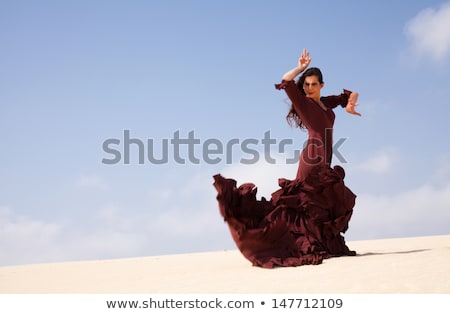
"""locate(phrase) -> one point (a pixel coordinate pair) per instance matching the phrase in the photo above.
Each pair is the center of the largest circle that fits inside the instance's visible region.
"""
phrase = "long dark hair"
(292, 118)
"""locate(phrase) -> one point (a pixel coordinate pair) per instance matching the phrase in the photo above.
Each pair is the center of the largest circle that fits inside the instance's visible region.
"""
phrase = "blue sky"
(77, 73)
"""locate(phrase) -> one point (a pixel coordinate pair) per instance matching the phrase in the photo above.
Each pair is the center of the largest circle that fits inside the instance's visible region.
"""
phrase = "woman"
(304, 220)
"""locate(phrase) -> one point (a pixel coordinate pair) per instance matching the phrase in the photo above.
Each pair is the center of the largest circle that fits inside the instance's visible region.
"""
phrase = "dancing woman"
(304, 220)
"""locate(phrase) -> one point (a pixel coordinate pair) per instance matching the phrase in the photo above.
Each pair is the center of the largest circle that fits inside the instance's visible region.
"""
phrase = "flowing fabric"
(304, 221)
(301, 224)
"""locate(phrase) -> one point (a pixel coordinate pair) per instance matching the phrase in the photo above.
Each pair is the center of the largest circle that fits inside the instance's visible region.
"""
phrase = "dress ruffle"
(302, 224)
(281, 85)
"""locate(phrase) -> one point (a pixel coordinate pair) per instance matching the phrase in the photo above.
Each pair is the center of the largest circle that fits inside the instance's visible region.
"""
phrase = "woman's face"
(312, 87)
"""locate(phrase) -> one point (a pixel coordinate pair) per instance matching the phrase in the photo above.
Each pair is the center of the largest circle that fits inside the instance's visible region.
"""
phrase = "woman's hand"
(304, 60)
(352, 103)
(303, 63)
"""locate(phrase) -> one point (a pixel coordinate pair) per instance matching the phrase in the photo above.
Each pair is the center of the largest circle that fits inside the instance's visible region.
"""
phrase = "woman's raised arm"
(303, 63)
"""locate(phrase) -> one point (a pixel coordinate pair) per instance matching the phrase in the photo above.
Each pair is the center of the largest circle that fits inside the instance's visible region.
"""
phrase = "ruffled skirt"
(302, 224)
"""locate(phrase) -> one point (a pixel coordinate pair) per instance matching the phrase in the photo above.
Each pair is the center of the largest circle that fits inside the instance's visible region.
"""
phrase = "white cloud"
(442, 173)
(112, 218)
(429, 33)
(160, 194)
(104, 245)
(187, 223)
(420, 211)
(380, 163)
(26, 240)
(92, 182)
(4, 211)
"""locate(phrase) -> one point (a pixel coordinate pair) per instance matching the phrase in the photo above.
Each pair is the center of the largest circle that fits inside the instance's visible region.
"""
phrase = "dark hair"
(292, 118)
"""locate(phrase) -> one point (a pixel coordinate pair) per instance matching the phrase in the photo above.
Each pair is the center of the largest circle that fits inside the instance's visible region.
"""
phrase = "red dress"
(304, 220)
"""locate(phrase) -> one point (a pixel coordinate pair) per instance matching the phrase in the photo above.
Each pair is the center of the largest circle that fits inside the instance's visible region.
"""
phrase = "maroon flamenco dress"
(304, 221)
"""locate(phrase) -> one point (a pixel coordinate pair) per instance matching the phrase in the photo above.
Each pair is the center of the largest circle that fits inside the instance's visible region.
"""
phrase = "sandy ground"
(400, 265)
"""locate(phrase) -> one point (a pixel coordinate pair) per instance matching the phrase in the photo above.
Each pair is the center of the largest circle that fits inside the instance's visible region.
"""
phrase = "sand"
(399, 265)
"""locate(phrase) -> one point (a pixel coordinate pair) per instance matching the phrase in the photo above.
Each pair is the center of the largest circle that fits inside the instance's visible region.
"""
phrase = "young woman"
(304, 220)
